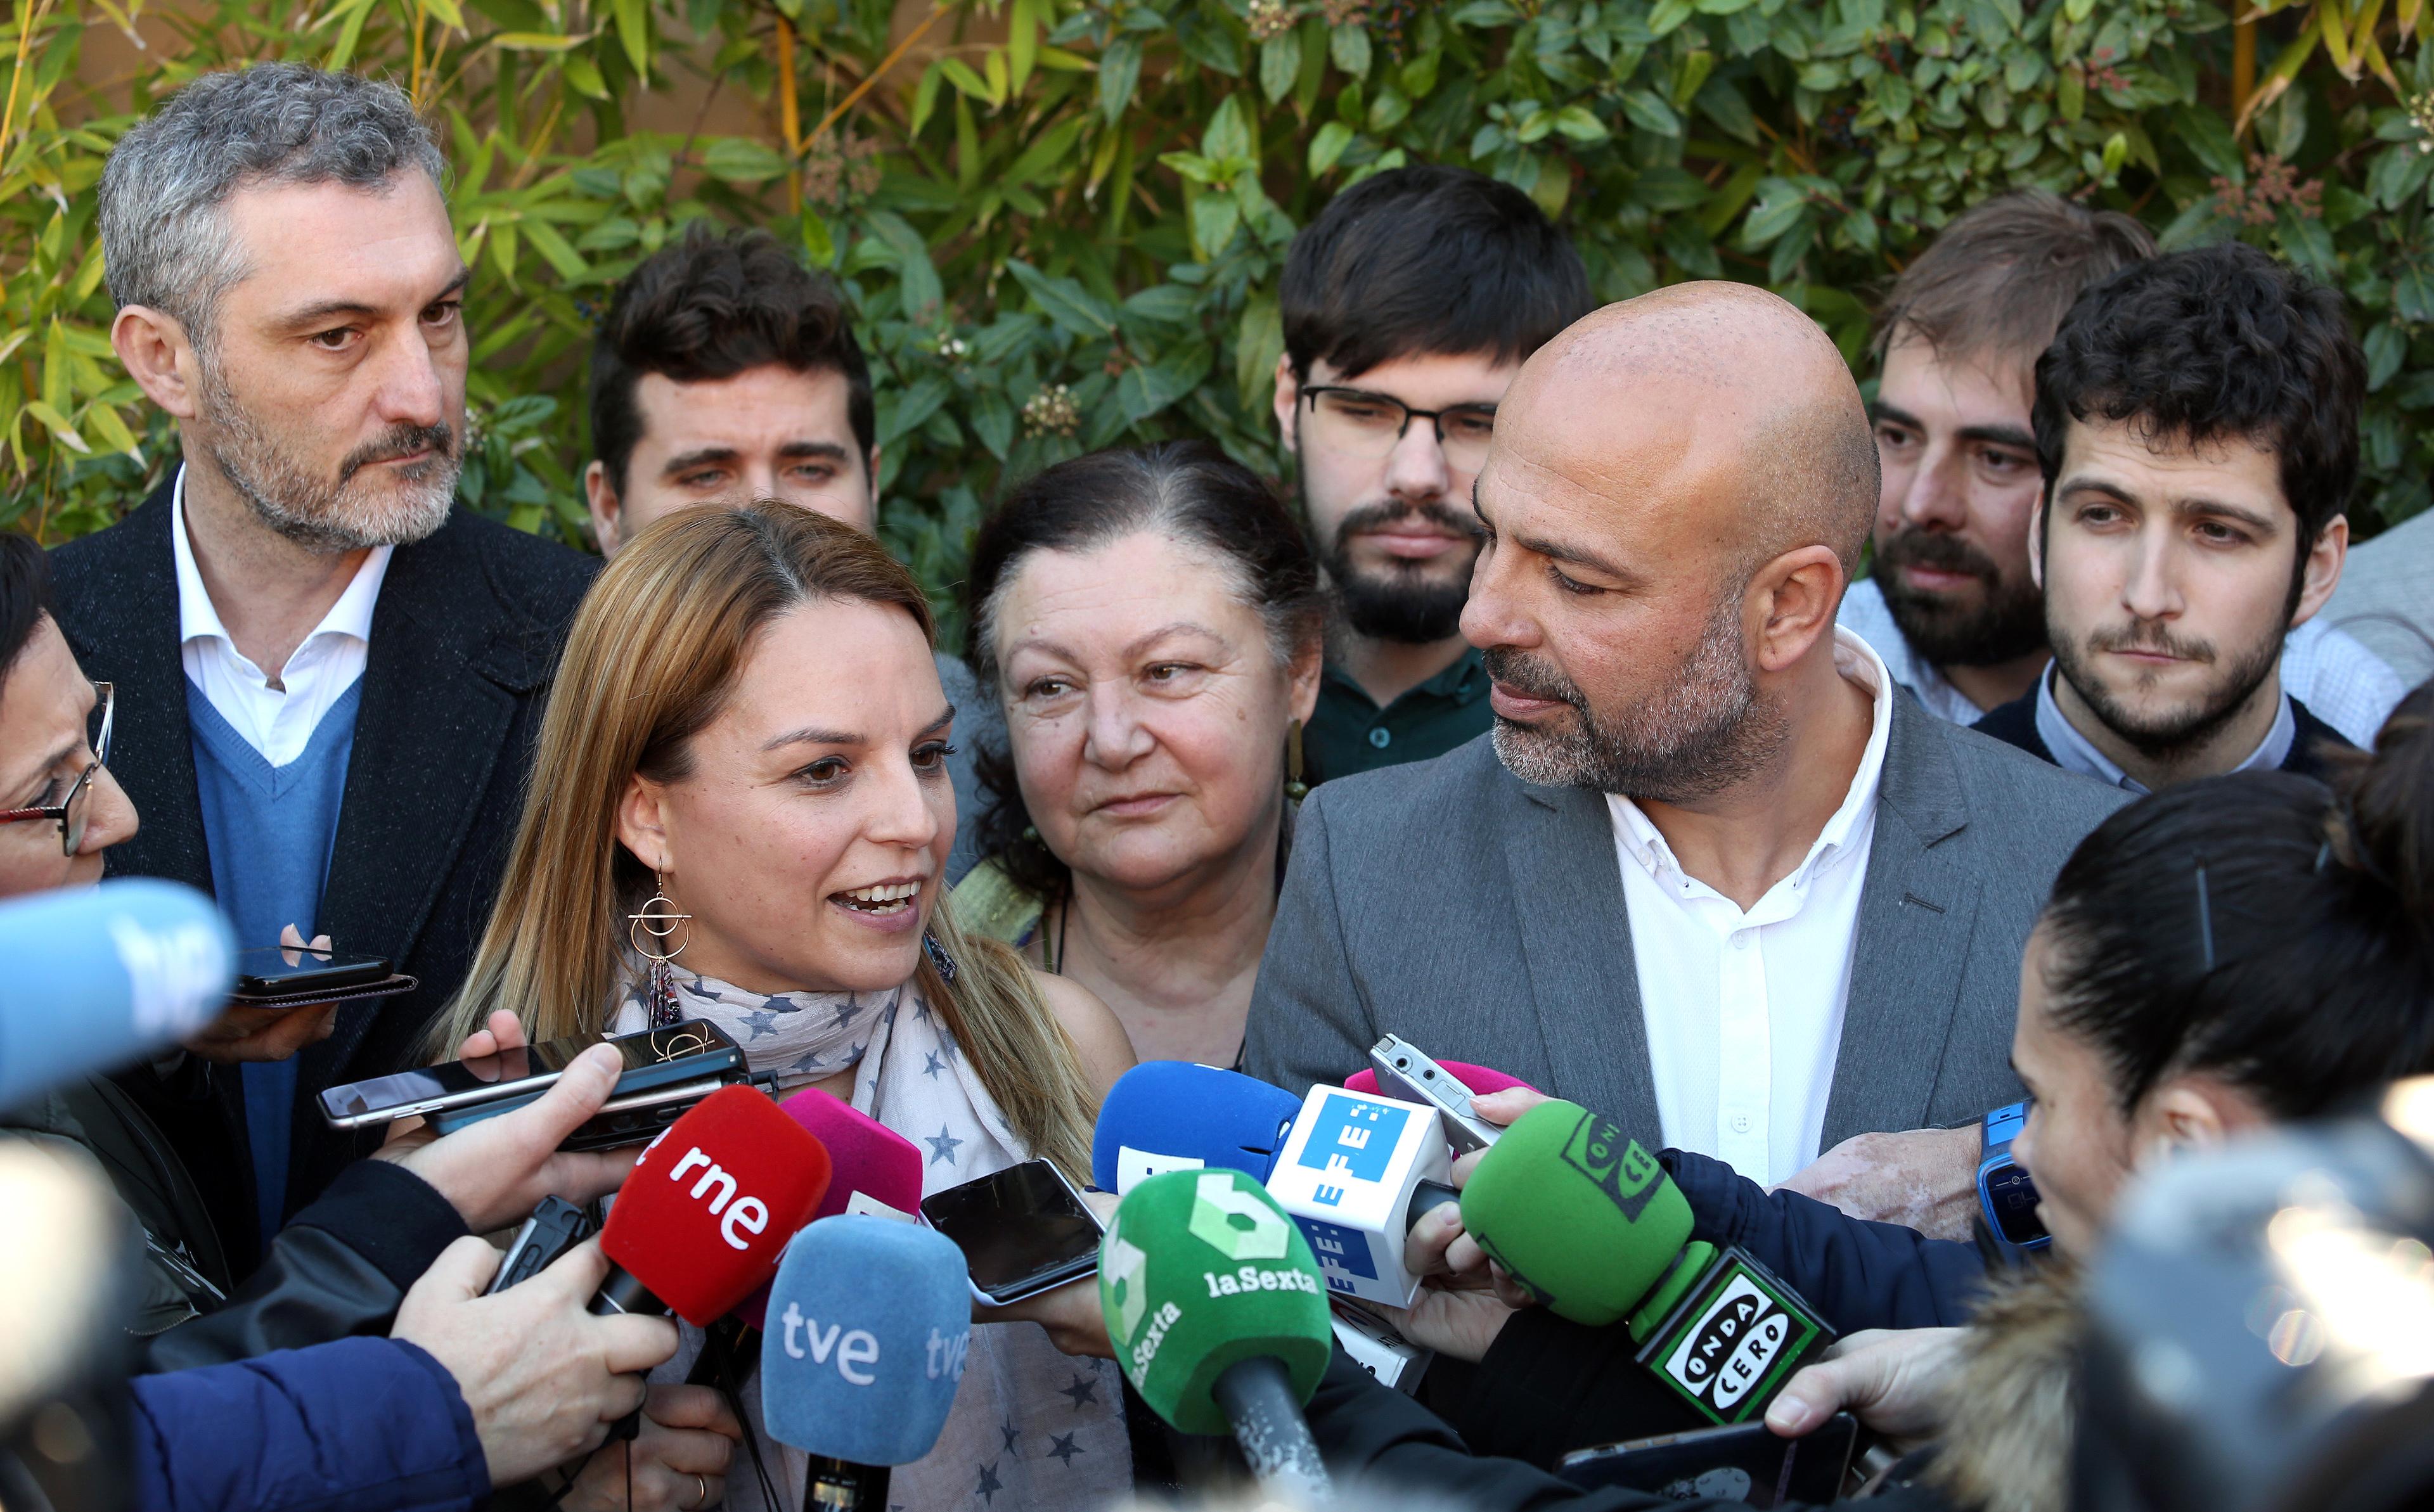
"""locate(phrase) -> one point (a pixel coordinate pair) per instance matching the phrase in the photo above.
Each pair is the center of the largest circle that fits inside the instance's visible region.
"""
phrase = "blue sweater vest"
(270, 831)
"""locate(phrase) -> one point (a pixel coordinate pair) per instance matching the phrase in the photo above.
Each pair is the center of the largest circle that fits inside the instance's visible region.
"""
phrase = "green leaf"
(583, 75)
(1780, 203)
(2387, 347)
(2412, 293)
(925, 98)
(1649, 111)
(967, 82)
(1229, 134)
(1066, 302)
(350, 31)
(2207, 136)
(1166, 304)
(1215, 219)
(1575, 122)
(1258, 341)
(58, 425)
(743, 160)
(1119, 72)
(911, 409)
(1349, 47)
(554, 251)
(1022, 40)
(112, 432)
(634, 30)
(1327, 146)
(1280, 65)
(1668, 16)
(1485, 14)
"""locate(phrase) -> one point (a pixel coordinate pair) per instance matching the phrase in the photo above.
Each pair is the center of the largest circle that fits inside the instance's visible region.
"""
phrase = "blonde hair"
(650, 663)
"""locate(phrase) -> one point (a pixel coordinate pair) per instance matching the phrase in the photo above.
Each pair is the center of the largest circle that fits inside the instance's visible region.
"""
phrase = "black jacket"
(464, 642)
(1374, 1436)
(2016, 724)
(339, 1268)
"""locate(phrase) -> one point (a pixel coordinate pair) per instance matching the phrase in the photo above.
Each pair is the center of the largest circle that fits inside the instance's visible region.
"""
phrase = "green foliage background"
(1064, 229)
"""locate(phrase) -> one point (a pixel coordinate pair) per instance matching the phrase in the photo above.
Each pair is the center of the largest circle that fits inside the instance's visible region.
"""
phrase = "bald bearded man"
(1713, 872)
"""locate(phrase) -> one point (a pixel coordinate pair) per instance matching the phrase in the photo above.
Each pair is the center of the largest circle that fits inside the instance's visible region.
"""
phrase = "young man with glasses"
(1409, 305)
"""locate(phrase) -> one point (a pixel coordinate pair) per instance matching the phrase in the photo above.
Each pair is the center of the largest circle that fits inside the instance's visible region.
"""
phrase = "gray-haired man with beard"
(1712, 874)
(326, 680)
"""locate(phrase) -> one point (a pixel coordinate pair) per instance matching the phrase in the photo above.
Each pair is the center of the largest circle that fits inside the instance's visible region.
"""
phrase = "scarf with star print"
(1031, 1428)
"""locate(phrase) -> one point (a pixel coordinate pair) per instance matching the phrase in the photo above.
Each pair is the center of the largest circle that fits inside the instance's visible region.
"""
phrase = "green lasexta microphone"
(1219, 1316)
(1589, 1221)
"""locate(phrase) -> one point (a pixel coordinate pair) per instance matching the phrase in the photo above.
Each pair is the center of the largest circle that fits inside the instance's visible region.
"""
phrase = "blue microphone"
(99, 975)
(870, 1323)
(1174, 1116)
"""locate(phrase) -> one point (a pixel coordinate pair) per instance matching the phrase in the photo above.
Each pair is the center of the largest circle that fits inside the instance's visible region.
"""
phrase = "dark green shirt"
(1349, 732)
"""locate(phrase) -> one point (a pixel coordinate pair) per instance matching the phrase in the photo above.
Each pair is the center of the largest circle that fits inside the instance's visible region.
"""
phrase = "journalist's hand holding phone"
(1071, 1314)
(498, 1170)
(244, 1033)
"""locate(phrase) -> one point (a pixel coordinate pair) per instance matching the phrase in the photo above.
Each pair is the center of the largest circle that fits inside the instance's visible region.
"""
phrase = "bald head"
(1735, 387)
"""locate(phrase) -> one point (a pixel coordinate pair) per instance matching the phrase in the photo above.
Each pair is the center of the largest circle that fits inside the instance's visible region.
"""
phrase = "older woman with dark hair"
(1151, 621)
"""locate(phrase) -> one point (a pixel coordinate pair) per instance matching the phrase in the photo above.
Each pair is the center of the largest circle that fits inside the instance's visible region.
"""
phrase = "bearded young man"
(1408, 304)
(1948, 601)
(327, 679)
(1712, 874)
(2197, 424)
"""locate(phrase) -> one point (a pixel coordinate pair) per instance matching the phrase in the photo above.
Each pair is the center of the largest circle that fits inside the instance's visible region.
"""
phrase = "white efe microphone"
(1355, 1171)
(97, 976)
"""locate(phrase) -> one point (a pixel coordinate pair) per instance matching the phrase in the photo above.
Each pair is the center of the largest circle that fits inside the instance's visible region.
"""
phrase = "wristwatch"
(2007, 1198)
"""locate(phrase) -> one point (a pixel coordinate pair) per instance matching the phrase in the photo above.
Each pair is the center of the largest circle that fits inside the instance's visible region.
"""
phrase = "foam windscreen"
(872, 1168)
(102, 975)
(1480, 1080)
(1577, 1211)
(1201, 1269)
(704, 1213)
(1166, 1116)
(869, 1326)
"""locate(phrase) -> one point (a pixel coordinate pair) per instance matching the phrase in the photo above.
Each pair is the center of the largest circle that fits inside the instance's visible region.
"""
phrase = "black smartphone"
(556, 1227)
(1744, 1462)
(1023, 1230)
(491, 1084)
(634, 1119)
(283, 971)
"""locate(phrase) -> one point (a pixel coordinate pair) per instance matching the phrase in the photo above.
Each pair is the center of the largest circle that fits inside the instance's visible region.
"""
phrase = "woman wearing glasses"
(1150, 621)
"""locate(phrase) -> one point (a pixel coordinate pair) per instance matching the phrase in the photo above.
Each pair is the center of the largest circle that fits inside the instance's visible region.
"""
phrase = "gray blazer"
(1482, 919)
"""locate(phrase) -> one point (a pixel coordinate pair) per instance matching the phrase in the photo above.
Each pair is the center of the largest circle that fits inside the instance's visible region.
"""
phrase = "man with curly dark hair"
(2196, 423)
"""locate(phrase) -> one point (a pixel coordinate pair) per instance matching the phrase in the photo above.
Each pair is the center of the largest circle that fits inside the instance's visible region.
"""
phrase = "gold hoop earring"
(660, 919)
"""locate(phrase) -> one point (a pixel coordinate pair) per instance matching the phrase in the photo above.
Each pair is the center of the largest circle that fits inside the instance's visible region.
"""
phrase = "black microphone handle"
(622, 1292)
(842, 1486)
(1256, 1396)
(1427, 1196)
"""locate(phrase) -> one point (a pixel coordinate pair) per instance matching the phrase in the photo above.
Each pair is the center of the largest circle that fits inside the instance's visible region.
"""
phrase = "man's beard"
(1403, 605)
(2007, 624)
(2161, 736)
(1706, 731)
(330, 515)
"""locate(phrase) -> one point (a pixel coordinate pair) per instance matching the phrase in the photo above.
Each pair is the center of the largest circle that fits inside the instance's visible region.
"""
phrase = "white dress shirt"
(277, 721)
(1744, 1009)
(2341, 680)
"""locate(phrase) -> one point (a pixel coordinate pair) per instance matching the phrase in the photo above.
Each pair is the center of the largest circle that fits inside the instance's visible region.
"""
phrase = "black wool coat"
(465, 639)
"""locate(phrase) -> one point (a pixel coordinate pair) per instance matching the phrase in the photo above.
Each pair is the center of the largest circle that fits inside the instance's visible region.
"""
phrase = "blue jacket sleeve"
(359, 1425)
(1860, 1275)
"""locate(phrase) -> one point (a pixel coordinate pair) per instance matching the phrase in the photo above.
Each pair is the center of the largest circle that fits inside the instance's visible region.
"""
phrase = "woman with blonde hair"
(740, 811)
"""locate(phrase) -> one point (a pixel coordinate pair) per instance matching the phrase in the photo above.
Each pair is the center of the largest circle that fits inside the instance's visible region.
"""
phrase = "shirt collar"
(198, 619)
(1862, 668)
(2074, 751)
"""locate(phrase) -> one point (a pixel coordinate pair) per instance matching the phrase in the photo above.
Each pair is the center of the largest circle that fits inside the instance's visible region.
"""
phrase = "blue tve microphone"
(869, 1324)
(101, 975)
(1174, 1116)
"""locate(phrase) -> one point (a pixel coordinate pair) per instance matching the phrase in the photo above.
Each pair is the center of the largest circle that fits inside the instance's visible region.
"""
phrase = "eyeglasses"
(71, 813)
(1358, 424)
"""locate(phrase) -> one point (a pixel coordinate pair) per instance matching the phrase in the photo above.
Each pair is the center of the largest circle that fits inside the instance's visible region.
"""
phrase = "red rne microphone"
(704, 1213)
(873, 1169)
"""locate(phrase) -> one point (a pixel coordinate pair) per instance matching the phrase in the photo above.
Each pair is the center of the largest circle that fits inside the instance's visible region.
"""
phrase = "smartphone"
(654, 1058)
(634, 1119)
(1406, 1074)
(283, 971)
(1023, 1230)
(1743, 1462)
(556, 1227)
